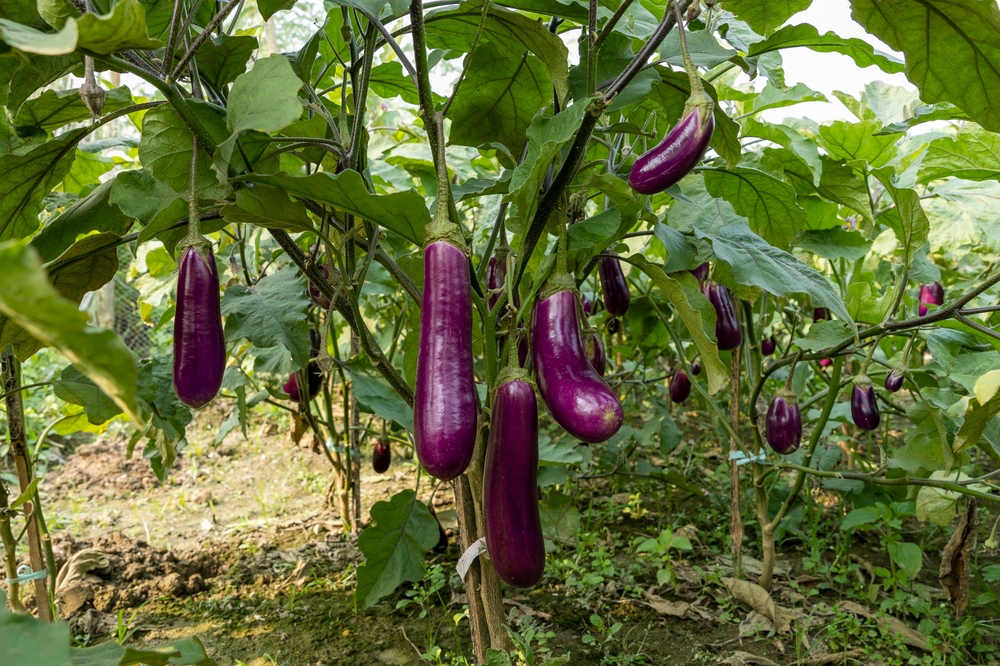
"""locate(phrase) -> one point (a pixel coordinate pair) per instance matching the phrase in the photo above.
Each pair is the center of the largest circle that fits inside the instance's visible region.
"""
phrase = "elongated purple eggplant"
(510, 484)
(727, 324)
(784, 423)
(381, 456)
(315, 377)
(444, 398)
(680, 387)
(767, 346)
(675, 156)
(930, 294)
(576, 395)
(199, 343)
(819, 314)
(864, 407)
(894, 380)
(496, 277)
(315, 342)
(616, 296)
(588, 305)
(696, 368)
(594, 348)
(700, 273)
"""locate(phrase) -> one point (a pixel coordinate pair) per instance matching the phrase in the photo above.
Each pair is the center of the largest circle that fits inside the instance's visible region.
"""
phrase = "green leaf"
(28, 640)
(806, 35)
(224, 57)
(186, 652)
(267, 207)
(979, 414)
(269, 8)
(790, 138)
(56, 108)
(823, 335)
(836, 243)
(86, 172)
(937, 505)
(394, 546)
(703, 47)
(138, 194)
(564, 452)
(972, 154)
(26, 179)
(165, 149)
(123, 29)
(865, 302)
(952, 49)
(375, 395)
(839, 182)
(94, 212)
(866, 515)
(28, 299)
(906, 555)
(388, 80)
(594, 230)
(498, 98)
(404, 213)
(925, 114)
(858, 141)
(271, 312)
(926, 442)
(756, 263)
(768, 203)
(766, 15)
(30, 40)
(74, 387)
(560, 519)
(912, 227)
(772, 97)
(695, 311)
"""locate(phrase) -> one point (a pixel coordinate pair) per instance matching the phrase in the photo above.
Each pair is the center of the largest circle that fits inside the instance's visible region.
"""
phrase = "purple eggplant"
(727, 324)
(678, 153)
(819, 314)
(576, 395)
(381, 456)
(701, 273)
(767, 346)
(696, 368)
(616, 296)
(680, 387)
(444, 398)
(315, 342)
(199, 343)
(594, 348)
(496, 278)
(588, 305)
(825, 362)
(510, 484)
(315, 295)
(930, 294)
(894, 380)
(864, 407)
(784, 423)
(613, 325)
(315, 377)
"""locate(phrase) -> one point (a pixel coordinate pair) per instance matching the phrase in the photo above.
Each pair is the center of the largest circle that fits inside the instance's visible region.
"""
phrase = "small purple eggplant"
(613, 325)
(614, 286)
(680, 387)
(820, 314)
(496, 277)
(315, 295)
(700, 273)
(678, 153)
(593, 346)
(696, 368)
(894, 380)
(588, 305)
(784, 423)
(767, 346)
(864, 407)
(381, 456)
(727, 325)
(930, 294)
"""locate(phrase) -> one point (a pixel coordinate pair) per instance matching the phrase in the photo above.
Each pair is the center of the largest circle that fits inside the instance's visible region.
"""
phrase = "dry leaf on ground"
(739, 658)
(954, 572)
(833, 659)
(757, 598)
(664, 607)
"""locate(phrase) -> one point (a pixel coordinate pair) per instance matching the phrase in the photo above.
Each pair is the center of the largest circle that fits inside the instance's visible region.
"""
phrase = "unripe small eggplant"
(700, 273)
(613, 325)
(588, 305)
(315, 342)
(315, 377)
(680, 387)
(381, 456)
(819, 314)
(727, 324)
(199, 342)
(825, 362)
(496, 278)
(522, 348)
(894, 380)
(315, 295)
(930, 294)
(594, 348)
(678, 153)
(767, 346)
(784, 423)
(616, 295)
(864, 407)
(696, 368)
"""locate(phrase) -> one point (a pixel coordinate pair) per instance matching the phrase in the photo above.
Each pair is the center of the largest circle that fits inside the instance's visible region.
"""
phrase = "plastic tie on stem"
(743, 459)
(25, 574)
(477, 548)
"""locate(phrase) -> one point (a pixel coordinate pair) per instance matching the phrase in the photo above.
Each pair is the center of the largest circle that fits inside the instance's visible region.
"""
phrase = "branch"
(202, 38)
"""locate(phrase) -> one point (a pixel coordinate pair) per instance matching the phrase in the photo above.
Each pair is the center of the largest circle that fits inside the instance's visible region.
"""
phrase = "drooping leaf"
(913, 227)
(805, 35)
(224, 57)
(271, 312)
(92, 213)
(768, 203)
(375, 395)
(766, 15)
(925, 114)
(123, 29)
(74, 387)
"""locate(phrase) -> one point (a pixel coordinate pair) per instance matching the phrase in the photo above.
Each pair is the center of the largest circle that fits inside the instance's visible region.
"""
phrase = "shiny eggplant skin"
(496, 278)
(700, 273)
(381, 457)
(616, 295)
(594, 347)
(680, 387)
(767, 346)
(678, 153)
(825, 362)
(727, 324)
(444, 397)
(513, 526)
(864, 407)
(930, 294)
(199, 342)
(784, 423)
(588, 305)
(696, 368)
(577, 397)
(894, 380)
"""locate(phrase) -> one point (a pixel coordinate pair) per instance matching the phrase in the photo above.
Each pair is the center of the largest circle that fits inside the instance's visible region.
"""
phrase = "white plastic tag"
(469, 556)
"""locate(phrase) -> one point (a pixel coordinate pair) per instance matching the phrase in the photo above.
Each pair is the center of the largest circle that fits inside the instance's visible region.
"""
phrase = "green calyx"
(863, 382)
(512, 373)
(787, 395)
(201, 245)
(558, 281)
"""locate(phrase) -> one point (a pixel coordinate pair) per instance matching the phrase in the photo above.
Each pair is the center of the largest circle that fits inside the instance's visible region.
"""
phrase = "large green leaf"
(123, 29)
(790, 138)
(498, 98)
(138, 194)
(806, 35)
(984, 406)
(30, 40)
(972, 154)
(766, 15)
(224, 57)
(912, 227)
(756, 263)
(26, 179)
(28, 299)
(271, 312)
(839, 183)
(375, 395)
(858, 141)
(28, 640)
(952, 49)
(185, 652)
(768, 203)
(56, 108)
(74, 387)
(92, 213)
(836, 243)
(165, 149)
(404, 213)
(394, 546)
(695, 311)
(267, 207)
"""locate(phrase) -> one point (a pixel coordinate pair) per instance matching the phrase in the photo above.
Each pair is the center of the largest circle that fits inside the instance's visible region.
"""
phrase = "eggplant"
(727, 324)
(616, 296)
(588, 305)
(696, 368)
(199, 343)
(768, 345)
(381, 456)
(315, 378)
(825, 362)
(315, 295)
(678, 153)
(701, 273)
(594, 348)
(444, 397)
(819, 314)
(864, 407)
(930, 294)
(576, 395)
(513, 527)
(613, 325)
(894, 380)
(315, 342)
(784, 423)
(680, 387)
(496, 278)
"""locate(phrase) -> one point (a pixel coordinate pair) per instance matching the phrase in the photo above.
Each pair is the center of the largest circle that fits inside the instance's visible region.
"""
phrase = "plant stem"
(9, 553)
(736, 517)
(202, 38)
